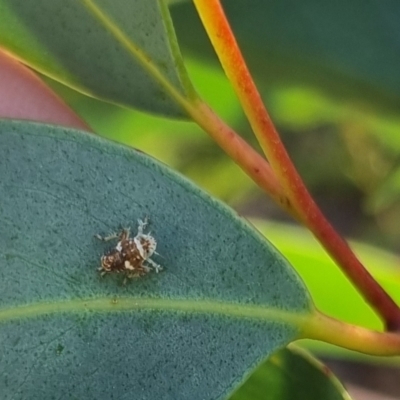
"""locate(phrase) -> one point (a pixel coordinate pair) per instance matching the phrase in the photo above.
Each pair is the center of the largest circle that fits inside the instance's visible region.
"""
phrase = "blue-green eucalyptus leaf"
(225, 300)
(69, 42)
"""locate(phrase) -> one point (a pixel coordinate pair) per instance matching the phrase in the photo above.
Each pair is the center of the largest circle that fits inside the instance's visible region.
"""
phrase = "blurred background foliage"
(329, 74)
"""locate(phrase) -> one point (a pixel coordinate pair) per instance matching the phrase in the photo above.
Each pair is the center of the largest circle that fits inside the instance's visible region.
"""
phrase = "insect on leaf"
(222, 303)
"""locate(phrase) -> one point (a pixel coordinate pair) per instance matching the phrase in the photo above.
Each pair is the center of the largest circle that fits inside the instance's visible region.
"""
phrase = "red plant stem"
(225, 45)
(251, 162)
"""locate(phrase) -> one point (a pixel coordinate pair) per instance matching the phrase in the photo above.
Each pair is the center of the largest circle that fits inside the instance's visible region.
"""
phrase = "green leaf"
(300, 42)
(225, 300)
(387, 195)
(70, 43)
(291, 373)
(331, 291)
(343, 51)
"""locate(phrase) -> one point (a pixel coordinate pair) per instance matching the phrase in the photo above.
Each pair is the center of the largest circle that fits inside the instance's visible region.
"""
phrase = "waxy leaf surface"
(224, 301)
(69, 42)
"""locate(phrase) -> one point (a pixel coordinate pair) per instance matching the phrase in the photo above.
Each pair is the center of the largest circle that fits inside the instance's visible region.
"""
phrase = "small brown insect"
(131, 255)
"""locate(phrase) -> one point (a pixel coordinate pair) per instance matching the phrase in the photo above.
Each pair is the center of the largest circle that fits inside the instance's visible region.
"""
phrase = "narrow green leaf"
(69, 42)
(225, 300)
(289, 374)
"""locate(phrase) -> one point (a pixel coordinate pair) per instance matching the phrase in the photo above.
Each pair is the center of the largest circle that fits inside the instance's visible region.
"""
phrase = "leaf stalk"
(227, 49)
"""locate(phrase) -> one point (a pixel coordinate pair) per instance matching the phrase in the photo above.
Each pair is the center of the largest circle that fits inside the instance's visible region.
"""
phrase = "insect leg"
(142, 225)
(107, 238)
(156, 267)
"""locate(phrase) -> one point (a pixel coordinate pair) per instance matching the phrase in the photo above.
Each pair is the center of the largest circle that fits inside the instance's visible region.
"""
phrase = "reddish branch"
(225, 45)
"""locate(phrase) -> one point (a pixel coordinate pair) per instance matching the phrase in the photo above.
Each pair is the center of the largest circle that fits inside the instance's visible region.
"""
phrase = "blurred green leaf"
(68, 42)
(291, 373)
(331, 291)
(348, 49)
(387, 194)
(191, 331)
(329, 288)
(315, 63)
